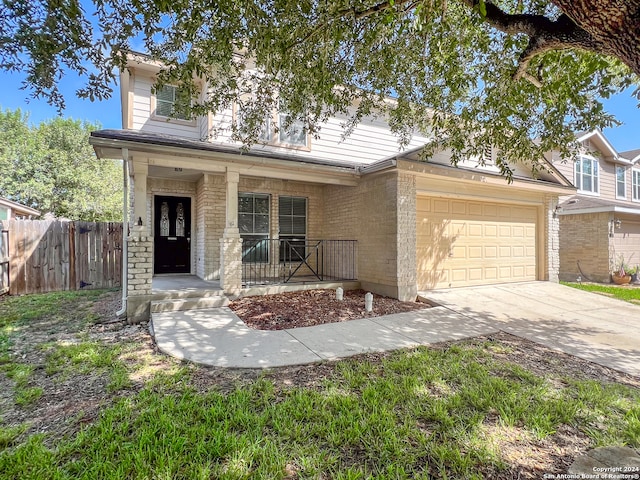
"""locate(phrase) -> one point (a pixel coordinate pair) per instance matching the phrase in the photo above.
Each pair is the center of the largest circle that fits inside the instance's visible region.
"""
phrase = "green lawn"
(443, 412)
(627, 293)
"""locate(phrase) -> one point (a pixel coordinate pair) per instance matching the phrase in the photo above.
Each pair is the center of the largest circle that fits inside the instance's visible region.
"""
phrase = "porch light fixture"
(618, 223)
(139, 221)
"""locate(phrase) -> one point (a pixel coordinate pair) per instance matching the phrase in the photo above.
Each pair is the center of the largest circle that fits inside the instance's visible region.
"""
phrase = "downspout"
(122, 313)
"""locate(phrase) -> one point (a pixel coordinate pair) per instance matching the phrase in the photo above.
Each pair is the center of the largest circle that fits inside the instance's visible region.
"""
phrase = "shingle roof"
(630, 154)
(586, 202)
(152, 138)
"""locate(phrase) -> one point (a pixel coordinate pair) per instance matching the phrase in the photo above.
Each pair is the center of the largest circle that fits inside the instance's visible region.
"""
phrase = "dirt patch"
(314, 307)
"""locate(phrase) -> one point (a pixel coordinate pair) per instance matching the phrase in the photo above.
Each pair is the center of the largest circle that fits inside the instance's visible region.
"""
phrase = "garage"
(465, 242)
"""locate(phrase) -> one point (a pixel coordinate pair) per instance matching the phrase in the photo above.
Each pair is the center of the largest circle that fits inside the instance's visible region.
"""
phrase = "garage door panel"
(458, 208)
(475, 229)
(490, 230)
(490, 273)
(441, 206)
(474, 243)
(490, 251)
(475, 209)
(489, 210)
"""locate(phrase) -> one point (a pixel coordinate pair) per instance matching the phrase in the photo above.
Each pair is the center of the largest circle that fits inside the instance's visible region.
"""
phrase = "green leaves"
(449, 72)
(481, 7)
(51, 167)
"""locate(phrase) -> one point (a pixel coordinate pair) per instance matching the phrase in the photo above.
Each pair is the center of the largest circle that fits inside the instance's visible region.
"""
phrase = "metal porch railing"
(271, 260)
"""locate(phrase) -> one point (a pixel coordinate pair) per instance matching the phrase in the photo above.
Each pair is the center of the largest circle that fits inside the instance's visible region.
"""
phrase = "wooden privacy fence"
(4, 261)
(51, 255)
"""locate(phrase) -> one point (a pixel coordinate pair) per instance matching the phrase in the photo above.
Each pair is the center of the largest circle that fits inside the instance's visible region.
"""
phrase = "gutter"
(603, 209)
(122, 313)
(377, 166)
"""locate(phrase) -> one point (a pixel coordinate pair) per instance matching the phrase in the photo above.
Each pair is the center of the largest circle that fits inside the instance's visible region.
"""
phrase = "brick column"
(139, 275)
(553, 240)
(231, 243)
(406, 237)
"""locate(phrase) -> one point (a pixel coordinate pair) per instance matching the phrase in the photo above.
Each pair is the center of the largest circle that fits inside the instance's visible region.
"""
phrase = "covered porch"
(227, 223)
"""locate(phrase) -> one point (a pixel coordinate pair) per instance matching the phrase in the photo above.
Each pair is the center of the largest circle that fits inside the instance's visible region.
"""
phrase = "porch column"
(231, 243)
(140, 172)
(139, 250)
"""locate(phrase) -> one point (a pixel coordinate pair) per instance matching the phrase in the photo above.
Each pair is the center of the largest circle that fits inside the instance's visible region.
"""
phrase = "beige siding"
(142, 119)
(607, 179)
(626, 242)
(370, 141)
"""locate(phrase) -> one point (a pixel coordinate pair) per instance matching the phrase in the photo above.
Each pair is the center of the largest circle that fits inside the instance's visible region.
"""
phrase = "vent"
(488, 155)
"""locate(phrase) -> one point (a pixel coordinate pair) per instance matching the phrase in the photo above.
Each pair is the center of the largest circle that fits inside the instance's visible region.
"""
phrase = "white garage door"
(465, 242)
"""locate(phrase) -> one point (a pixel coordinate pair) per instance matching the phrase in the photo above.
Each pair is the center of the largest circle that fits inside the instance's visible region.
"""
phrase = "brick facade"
(209, 225)
(139, 275)
(584, 238)
(552, 240)
(380, 214)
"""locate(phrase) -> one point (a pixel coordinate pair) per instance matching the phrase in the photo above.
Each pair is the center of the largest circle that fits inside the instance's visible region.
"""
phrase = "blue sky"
(107, 113)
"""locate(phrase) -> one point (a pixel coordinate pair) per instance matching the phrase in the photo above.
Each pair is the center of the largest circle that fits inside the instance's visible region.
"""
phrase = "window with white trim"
(169, 99)
(621, 182)
(292, 220)
(587, 175)
(280, 129)
(294, 133)
(253, 223)
(635, 184)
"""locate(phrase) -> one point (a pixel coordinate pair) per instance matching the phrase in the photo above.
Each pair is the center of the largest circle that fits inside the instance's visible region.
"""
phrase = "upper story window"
(280, 129)
(635, 184)
(168, 101)
(621, 182)
(587, 175)
(295, 134)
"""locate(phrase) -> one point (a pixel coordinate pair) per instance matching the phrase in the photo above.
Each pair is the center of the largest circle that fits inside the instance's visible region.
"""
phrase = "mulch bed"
(313, 307)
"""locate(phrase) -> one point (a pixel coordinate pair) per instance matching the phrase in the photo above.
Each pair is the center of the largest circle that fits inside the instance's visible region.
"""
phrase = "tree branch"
(544, 34)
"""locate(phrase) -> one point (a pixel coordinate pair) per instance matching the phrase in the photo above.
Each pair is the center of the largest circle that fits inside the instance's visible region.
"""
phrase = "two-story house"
(298, 208)
(600, 224)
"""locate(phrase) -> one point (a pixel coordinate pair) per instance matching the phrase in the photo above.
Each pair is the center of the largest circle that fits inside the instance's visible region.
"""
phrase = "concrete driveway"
(587, 325)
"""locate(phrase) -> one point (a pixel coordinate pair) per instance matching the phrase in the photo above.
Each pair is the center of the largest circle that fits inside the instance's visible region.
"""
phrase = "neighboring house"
(310, 209)
(10, 210)
(600, 224)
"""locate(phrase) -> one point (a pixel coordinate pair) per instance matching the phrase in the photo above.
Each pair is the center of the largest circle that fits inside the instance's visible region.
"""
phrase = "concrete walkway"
(217, 337)
(601, 329)
(590, 326)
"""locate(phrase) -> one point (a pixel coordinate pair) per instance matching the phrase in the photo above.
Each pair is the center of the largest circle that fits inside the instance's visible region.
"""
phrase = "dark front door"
(172, 235)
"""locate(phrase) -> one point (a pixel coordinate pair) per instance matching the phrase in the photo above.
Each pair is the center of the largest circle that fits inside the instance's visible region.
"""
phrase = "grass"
(628, 294)
(413, 414)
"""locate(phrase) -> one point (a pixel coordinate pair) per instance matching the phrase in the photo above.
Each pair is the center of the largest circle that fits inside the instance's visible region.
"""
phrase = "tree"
(522, 75)
(51, 167)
